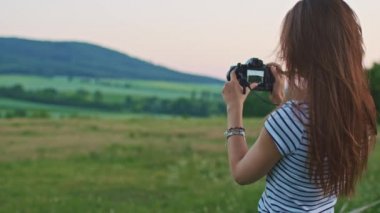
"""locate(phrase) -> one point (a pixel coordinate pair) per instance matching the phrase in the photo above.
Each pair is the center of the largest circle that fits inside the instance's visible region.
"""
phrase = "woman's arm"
(248, 165)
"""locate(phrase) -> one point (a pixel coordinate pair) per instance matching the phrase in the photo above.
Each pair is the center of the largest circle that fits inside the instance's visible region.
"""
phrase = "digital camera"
(254, 71)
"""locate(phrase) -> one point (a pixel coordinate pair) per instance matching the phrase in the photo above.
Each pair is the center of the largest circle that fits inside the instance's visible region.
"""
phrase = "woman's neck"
(297, 94)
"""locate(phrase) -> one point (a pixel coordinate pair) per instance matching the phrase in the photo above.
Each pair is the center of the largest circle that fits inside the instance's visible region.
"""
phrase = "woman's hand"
(278, 94)
(234, 98)
(233, 93)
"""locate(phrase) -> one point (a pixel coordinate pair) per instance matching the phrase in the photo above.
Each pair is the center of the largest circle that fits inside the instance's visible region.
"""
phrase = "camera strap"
(244, 84)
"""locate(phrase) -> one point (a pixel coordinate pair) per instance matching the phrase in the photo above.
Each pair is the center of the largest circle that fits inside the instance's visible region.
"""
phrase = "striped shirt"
(288, 186)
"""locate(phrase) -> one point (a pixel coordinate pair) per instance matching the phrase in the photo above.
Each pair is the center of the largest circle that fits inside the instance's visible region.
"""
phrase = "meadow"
(80, 95)
(114, 90)
(135, 164)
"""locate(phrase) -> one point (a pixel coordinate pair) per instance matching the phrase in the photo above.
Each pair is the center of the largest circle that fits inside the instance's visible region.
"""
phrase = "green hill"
(47, 58)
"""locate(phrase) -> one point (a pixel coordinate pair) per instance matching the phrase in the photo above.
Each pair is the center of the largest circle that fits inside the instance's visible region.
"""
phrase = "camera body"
(254, 71)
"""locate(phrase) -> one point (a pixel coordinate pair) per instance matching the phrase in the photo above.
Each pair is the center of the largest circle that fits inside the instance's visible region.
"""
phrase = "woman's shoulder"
(291, 115)
(290, 112)
(286, 126)
(294, 109)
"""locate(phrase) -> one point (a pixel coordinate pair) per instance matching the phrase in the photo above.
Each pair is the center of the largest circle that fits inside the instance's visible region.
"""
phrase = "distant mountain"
(47, 58)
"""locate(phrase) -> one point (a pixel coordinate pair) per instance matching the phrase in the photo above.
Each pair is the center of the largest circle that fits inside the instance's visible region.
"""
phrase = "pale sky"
(194, 36)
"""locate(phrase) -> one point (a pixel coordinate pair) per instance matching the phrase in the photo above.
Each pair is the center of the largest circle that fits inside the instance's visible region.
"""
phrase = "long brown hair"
(321, 42)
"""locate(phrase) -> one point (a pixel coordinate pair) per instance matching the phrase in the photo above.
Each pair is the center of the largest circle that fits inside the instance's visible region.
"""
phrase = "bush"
(18, 113)
(40, 114)
(374, 80)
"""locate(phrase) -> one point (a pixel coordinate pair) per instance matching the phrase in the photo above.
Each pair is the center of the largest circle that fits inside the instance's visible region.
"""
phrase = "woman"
(314, 147)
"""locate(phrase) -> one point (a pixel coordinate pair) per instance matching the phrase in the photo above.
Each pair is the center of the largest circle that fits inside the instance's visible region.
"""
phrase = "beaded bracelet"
(238, 128)
(234, 131)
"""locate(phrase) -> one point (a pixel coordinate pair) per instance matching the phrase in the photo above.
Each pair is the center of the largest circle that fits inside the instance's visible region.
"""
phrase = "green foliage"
(202, 107)
(113, 90)
(137, 97)
(110, 95)
(21, 113)
(258, 104)
(98, 97)
(40, 114)
(42, 58)
(17, 113)
(374, 77)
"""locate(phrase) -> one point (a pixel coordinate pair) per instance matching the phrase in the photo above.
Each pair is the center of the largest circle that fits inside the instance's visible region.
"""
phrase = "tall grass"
(131, 165)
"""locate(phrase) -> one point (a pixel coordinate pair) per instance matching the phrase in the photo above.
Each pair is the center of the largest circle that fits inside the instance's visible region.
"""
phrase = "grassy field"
(57, 111)
(113, 89)
(131, 165)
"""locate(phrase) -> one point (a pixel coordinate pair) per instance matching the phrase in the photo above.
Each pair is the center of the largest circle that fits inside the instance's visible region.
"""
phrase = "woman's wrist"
(234, 107)
(234, 116)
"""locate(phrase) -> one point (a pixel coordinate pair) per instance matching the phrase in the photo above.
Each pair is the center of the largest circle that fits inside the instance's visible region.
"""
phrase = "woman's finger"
(226, 85)
(277, 73)
(233, 76)
(253, 85)
(274, 70)
(275, 67)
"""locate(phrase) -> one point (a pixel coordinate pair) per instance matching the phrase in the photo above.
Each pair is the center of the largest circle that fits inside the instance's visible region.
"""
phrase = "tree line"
(200, 105)
(374, 80)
